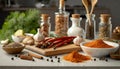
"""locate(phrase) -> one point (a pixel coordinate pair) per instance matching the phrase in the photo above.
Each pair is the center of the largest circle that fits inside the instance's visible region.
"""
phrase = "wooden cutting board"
(52, 52)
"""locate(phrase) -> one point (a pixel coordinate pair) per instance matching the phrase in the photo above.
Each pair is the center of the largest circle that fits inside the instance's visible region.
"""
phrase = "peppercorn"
(33, 60)
(50, 56)
(94, 59)
(106, 60)
(47, 59)
(12, 58)
(16, 55)
(51, 60)
(41, 58)
(55, 56)
(58, 60)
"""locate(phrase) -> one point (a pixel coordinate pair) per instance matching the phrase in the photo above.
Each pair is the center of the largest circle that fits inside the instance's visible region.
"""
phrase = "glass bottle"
(75, 29)
(90, 27)
(45, 25)
(105, 27)
(61, 20)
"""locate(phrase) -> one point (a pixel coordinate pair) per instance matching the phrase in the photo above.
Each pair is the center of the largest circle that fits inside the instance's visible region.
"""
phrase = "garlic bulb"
(39, 36)
(77, 40)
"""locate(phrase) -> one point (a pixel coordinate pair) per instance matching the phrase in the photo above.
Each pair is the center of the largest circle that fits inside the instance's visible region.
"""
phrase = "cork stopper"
(45, 16)
(75, 15)
(105, 17)
(62, 3)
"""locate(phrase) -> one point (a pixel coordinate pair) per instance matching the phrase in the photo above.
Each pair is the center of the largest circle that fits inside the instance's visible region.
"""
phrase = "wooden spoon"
(94, 2)
(85, 3)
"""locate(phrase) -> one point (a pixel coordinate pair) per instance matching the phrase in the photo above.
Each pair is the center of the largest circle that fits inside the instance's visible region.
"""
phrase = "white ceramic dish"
(99, 52)
(19, 39)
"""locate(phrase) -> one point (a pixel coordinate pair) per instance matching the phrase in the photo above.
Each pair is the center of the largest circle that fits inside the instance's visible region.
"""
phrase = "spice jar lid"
(62, 3)
(75, 15)
(105, 15)
(45, 16)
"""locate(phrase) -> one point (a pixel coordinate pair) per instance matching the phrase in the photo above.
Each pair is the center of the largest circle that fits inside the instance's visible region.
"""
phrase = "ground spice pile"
(98, 44)
(76, 57)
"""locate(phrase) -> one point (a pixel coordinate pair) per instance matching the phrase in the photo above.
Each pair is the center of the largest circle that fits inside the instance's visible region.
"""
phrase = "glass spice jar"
(61, 20)
(90, 27)
(45, 25)
(75, 29)
(105, 27)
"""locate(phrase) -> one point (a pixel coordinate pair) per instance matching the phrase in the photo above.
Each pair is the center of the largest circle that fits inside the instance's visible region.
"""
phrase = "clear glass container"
(105, 27)
(90, 27)
(61, 20)
(75, 29)
(45, 25)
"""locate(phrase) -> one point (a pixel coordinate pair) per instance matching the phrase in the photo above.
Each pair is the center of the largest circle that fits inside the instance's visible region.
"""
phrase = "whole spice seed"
(12, 58)
(47, 59)
(94, 59)
(16, 55)
(106, 60)
(51, 60)
(55, 56)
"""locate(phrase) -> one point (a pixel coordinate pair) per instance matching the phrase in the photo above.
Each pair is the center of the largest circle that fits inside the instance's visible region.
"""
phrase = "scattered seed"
(47, 59)
(33, 60)
(55, 56)
(16, 55)
(12, 58)
(58, 58)
(42, 58)
(51, 60)
(106, 60)
(94, 59)
(59, 61)
(50, 56)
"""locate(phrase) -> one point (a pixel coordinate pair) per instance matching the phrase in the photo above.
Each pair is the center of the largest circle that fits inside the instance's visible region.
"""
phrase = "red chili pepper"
(62, 38)
(55, 42)
(64, 42)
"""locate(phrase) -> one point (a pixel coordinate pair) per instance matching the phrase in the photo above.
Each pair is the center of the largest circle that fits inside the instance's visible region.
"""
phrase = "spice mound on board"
(97, 44)
(76, 57)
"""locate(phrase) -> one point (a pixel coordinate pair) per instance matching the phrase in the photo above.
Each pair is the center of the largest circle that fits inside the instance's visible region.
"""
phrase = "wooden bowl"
(13, 50)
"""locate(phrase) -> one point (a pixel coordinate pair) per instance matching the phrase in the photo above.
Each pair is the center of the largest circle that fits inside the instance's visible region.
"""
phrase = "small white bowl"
(17, 38)
(99, 52)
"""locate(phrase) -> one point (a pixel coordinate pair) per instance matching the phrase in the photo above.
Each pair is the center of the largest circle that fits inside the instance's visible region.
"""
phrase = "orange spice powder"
(98, 44)
(76, 57)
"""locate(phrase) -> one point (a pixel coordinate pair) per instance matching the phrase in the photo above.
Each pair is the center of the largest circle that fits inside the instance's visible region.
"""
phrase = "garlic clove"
(39, 36)
(78, 40)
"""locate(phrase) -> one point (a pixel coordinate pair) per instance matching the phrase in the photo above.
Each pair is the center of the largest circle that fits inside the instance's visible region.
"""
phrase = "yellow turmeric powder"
(76, 57)
(98, 44)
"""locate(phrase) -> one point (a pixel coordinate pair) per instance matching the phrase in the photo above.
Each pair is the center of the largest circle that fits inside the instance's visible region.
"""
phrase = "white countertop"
(5, 61)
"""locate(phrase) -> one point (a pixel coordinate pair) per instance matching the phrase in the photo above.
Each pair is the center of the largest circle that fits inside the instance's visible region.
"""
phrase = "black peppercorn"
(58, 58)
(55, 56)
(51, 60)
(47, 59)
(94, 59)
(106, 60)
(16, 55)
(59, 61)
(33, 60)
(50, 56)
(41, 58)
(12, 58)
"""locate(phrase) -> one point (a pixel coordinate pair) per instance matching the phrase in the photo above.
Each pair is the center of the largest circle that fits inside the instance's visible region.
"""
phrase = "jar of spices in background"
(105, 27)
(90, 27)
(75, 29)
(45, 25)
(61, 20)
